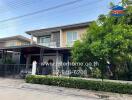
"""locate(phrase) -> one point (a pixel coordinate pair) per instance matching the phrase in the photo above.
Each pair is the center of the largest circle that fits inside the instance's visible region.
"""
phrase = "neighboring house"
(13, 42)
(52, 45)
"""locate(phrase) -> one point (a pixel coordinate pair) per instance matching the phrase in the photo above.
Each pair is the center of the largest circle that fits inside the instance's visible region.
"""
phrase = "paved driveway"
(12, 89)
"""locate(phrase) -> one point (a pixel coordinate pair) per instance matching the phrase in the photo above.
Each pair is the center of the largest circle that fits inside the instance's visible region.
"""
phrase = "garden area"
(80, 83)
(108, 41)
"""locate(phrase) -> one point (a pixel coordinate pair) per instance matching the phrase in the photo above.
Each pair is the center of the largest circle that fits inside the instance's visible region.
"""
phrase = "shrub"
(80, 83)
(96, 73)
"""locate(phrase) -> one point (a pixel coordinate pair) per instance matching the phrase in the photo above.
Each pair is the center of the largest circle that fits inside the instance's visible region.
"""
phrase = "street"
(25, 94)
(15, 89)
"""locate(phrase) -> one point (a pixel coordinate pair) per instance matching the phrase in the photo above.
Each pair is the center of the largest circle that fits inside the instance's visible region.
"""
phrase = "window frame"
(42, 37)
(72, 37)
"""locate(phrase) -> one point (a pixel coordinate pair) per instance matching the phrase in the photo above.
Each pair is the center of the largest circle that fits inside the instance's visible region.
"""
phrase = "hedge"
(80, 83)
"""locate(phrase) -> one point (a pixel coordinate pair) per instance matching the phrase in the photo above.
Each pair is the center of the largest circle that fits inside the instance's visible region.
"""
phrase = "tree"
(108, 39)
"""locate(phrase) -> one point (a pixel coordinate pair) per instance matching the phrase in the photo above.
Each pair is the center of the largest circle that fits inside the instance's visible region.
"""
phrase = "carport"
(29, 53)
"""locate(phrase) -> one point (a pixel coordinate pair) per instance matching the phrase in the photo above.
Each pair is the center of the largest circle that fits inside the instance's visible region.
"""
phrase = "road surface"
(12, 89)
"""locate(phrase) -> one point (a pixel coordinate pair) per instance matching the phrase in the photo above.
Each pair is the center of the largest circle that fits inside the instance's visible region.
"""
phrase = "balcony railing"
(50, 44)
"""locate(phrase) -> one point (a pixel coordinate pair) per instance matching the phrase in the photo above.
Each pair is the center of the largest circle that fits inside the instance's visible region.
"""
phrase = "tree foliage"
(109, 39)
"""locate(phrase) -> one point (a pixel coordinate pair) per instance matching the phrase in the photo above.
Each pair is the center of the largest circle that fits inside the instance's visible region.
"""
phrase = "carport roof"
(32, 46)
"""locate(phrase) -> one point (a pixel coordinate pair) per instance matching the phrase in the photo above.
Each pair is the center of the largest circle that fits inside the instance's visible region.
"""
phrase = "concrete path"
(14, 89)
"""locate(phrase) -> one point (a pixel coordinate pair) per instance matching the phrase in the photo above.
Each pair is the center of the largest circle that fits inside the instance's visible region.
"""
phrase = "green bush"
(80, 83)
(96, 73)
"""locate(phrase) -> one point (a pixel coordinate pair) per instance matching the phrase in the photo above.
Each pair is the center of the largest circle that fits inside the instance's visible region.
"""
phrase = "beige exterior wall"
(15, 43)
(80, 32)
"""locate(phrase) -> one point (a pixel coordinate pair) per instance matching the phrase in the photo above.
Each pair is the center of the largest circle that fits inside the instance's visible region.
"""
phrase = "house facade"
(13, 42)
(59, 37)
(51, 45)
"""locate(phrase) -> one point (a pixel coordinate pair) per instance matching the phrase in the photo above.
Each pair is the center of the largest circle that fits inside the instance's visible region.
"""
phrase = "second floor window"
(45, 39)
(71, 37)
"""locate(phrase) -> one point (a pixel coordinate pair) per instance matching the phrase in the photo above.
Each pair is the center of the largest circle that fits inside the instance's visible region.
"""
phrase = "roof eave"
(56, 29)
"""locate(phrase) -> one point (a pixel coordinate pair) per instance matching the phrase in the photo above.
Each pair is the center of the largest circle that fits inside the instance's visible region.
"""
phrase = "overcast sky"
(85, 10)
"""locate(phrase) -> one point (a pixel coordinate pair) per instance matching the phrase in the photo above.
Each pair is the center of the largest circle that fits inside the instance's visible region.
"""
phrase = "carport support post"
(57, 61)
(40, 60)
(3, 70)
(27, 61)
(41, 55)
(3, 56)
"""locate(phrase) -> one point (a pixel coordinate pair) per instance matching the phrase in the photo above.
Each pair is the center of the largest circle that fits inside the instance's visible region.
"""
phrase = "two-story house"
(60, 37)
(52, 44)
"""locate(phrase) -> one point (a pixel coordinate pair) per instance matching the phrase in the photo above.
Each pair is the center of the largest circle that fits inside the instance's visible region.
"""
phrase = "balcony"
(50, 44)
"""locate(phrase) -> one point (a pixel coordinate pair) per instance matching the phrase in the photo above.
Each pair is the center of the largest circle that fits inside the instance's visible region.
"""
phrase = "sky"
(82, 11)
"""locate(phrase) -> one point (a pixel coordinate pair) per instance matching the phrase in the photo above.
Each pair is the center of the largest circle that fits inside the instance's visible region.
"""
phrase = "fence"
(21, 70)
(14, 70)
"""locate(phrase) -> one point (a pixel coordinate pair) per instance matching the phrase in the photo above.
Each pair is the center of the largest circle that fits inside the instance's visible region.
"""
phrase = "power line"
(41, 11)
(19, 4)
(64, 11)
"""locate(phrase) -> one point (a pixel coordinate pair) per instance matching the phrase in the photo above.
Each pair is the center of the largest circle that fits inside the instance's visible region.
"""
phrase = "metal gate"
(14, 70)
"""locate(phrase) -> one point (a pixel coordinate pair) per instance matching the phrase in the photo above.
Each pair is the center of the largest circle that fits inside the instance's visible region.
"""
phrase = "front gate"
(14, 70)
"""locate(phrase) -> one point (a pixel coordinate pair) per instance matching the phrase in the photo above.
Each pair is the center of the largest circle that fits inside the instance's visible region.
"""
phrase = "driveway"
(15, 89)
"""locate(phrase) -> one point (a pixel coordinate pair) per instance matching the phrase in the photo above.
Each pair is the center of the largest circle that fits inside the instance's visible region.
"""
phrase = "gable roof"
(17, 37)
(58, 28)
